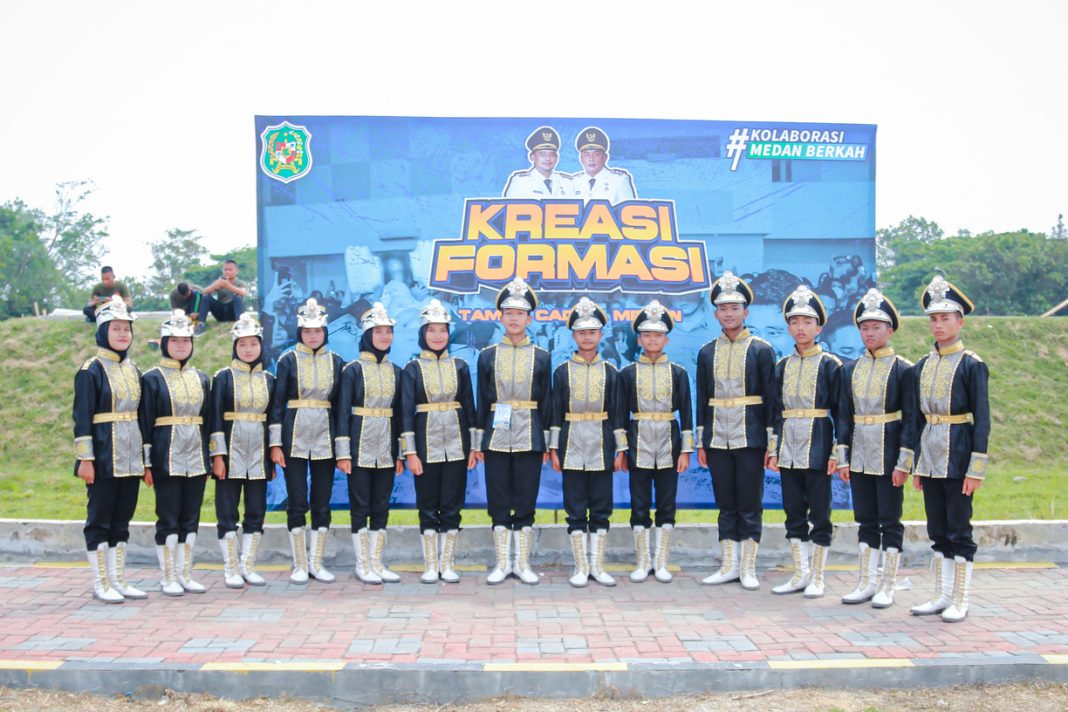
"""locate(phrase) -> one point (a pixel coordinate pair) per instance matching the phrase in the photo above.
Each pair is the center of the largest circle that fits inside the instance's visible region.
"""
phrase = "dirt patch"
(1029, 697)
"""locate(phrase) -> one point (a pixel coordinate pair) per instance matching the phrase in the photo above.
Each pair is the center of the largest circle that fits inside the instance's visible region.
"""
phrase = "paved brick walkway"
(47, 619)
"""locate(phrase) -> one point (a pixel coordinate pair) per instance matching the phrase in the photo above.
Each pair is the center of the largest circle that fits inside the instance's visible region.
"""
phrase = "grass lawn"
(1028, 360)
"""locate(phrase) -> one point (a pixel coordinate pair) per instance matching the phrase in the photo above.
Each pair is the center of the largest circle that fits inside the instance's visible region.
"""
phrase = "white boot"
(525, 545)
(663, 548)
(729, 556)
(168, 566)
(643, 563)
(447, 565)
(962, 582)
(815, 582)
(300, 556)
(581, 575)
(250, 545)
(884, 596)
(942, 572)
(748, 576)
(868, 583)
(185, 566)
(430, 557)
(361, 544)
(502, 542)
(117, 573)
(231, 566)
(598, 545)
(316, 552)
(98, 565)
(378, 548)
(800, 578)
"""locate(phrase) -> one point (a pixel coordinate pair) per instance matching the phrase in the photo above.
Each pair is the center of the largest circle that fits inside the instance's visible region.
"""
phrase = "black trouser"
(738, 483)
(369, 491)
(949, 517)
(642, 481)
(322, 485)
(90, 312)
(512, 481)
(111, 506)
(877, 509)
(587, 491)
(229, 311)
(228, 496)
(806, 497)
(439, 494)
(178, 501)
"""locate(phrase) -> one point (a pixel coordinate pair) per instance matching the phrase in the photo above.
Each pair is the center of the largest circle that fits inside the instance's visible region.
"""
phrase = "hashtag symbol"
(736, 146)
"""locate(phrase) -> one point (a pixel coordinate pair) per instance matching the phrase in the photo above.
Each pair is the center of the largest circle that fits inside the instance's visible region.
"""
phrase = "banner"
(354, 210)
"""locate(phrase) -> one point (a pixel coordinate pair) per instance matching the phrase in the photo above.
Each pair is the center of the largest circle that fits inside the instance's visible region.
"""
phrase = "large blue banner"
(353, 210)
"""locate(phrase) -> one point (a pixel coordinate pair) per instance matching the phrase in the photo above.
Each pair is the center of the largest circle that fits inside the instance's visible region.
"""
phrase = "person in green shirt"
(224, 298)
(102, 292)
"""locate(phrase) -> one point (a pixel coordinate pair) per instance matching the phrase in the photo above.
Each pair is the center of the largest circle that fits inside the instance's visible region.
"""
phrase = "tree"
(246, 264)
(1057, 232)
(889, 241)
(27, 273)
(73, 239)
(173, 256)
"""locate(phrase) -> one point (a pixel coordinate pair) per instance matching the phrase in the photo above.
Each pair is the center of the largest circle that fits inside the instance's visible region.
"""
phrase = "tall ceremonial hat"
(113, 309)
(517, 294)
(434, 313)
(876, 306)
(591, 137)
(729, 289)
(376, 316)
(654, 317)
(311, 315)
(804, 302)
(177, 324)
(941, 296)
(543, 137)
(586, 315)
(247, 325)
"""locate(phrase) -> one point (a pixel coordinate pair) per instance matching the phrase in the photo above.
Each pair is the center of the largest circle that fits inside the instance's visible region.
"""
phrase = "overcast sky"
(156, 105)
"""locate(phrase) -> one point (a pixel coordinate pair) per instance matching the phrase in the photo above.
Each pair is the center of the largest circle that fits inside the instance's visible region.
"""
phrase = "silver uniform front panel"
(654, 388)
(443, 438)
(186, 455)
(728, 422)
(375, 447)
(585, 438)
(798, 392)
(246, 438)
(513, 373)
(311, 426)
(936, 390)
(126, 445)
(870, 378)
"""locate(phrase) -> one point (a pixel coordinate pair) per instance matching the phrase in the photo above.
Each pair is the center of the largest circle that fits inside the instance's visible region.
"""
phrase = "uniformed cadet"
(651, 391)
(240, 399)
(874, 452)
(366, 441)
(596, 181)
(301, 427)
(735, 426)
(108, 449)
(806, 394)
(953, 426)
(541, 180)
(175, 407)
(587, 441)
(439, 436)
(514, 408)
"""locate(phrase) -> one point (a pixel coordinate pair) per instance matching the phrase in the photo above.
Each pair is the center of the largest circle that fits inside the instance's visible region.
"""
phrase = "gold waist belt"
(880, 419)
(585, 417)
(806, 413)
(373, 412)
(653, 415)
(437, 407)
(128, 417)
(518, 405)
(179, 420)
(308, 404)
(246, 417)
(735, 402)
(957, 419)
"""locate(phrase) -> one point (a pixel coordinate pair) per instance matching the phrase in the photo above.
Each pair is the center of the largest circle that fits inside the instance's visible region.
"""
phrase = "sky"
(154, 102)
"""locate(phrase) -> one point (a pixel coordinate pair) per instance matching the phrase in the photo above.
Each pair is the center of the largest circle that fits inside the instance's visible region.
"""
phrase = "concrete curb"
(34, 540)
(366, 684)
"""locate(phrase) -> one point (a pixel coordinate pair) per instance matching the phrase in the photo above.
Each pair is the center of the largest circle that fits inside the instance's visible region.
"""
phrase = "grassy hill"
(1028, 360)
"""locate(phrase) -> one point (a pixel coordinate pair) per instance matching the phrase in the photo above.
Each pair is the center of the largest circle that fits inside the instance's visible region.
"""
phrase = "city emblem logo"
(285, 152)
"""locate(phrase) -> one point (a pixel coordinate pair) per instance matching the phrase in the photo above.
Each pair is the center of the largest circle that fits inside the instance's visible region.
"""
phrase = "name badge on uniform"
(502, 416)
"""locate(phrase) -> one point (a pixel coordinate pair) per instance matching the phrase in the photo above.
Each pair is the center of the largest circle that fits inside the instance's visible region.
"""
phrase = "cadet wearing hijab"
(240, 399)
(108, 448)
(174, 414)
(368, 422)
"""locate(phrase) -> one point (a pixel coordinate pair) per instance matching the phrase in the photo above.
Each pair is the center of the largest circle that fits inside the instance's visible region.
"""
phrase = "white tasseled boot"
(598, 546)
(300, 556)
(316, 553)
(502, 542)
(447, 565)
(663, 549)
(815, 583)
(800, 578)
(378, 549)
(430, 557)
(361, 544)
(525, 546)
(884, 596)
(962, 582)
(167, 554)
(185, 566)
(250, 546)
(729, 557)
(748, 576)
(942, 573)
(868, 583)
(231, 561)
(643, 563)
(580, 577)
(98, 566)
(117, 573)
